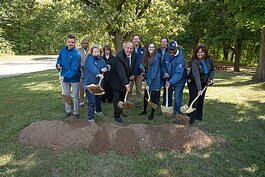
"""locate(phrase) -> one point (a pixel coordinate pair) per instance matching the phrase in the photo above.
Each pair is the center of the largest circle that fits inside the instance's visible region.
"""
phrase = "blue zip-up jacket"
(154, 80)
(70, 60)
(176, 68)
(139, 60)
(93, 66)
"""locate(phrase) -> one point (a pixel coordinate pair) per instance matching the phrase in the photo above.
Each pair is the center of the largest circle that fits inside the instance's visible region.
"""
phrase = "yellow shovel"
(167, 111)
(67, 98)
(125, 104)
(185, 109)
(96, 89)
(152, 105)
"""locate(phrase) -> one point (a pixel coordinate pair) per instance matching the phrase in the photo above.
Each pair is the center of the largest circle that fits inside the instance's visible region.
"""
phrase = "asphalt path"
(16, 65)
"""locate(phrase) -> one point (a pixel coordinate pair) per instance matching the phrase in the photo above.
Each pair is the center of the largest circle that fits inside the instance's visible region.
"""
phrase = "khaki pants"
(138, 82)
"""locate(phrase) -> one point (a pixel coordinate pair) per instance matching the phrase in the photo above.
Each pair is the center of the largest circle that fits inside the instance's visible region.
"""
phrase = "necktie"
(130, 62)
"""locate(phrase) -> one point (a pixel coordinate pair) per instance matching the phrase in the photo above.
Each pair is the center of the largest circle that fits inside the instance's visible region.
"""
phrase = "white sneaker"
(91, 122)
(82, 103)
(100, 114)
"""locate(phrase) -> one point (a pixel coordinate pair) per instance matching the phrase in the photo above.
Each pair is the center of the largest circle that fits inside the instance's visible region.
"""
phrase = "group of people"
(157, 68)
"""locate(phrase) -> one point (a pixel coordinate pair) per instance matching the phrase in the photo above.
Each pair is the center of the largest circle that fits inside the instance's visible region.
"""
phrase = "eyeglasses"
(151, 47)
(84, 43)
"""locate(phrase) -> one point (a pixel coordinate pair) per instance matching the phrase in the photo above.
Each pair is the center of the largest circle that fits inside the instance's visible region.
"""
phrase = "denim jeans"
(75, 93)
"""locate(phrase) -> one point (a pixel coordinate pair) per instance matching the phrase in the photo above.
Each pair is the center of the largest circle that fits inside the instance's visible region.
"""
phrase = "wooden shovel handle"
(197, 96)
(148, 93)
(166, 96)
(99, 83)
(126, 94)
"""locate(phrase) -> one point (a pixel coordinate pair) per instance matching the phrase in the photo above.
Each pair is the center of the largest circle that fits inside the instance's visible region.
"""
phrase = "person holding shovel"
(201, 75)
(152, 65)
(68, 63)
(95, 67)
(121, 74)
(174, 72)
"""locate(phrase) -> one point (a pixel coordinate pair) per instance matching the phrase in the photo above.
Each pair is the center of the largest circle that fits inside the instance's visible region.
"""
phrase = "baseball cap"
(172, 45)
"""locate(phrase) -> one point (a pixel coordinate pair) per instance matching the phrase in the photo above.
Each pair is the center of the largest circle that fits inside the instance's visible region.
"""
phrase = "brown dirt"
(125, 140)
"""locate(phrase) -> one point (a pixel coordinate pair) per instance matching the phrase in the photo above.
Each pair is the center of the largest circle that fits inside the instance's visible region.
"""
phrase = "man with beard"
(68, 63)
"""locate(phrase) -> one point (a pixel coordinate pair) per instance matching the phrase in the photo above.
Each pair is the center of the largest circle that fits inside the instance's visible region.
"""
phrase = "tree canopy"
(231, 29)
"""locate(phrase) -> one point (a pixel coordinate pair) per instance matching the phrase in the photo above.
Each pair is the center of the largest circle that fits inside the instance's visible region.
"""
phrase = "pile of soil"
(125, 140)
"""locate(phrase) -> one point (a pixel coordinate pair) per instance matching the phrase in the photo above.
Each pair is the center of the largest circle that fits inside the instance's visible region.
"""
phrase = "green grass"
(234, 115)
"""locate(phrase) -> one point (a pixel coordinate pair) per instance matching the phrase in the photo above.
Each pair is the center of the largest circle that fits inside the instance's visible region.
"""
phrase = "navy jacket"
(138, 60)
(176, 68)
(70, 60)
(154, 80)
(93, 66)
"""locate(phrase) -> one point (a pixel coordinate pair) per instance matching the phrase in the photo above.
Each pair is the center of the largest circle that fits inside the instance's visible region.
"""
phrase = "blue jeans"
(178, 92)
(98, 103)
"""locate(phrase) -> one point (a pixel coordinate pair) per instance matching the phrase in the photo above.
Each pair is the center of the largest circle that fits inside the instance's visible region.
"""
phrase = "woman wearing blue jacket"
(174, 72)
(95, 66)
(152, 65)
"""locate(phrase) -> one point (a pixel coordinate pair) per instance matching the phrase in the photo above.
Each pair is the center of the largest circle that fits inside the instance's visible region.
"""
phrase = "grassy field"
(234, 115)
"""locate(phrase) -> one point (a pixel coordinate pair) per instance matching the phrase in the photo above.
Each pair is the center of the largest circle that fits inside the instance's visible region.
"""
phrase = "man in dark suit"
(121, 74)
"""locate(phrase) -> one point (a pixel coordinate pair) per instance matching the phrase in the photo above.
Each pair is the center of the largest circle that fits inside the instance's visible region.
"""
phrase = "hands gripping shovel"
(185, 109)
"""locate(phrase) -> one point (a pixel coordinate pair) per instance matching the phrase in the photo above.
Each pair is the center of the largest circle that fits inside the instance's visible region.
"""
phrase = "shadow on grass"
(239, 134)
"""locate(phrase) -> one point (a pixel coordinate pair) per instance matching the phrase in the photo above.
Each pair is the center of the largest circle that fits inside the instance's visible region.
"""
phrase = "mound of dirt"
(125, 140)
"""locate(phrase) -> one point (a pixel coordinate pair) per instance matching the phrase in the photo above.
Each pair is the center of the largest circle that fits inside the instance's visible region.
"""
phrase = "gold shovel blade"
(120, 105)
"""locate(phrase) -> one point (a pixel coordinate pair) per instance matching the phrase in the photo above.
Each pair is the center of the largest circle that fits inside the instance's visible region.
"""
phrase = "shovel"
(96, 89)
(126, 104)
(67, 98)
(167, 111)
(152, 105)
(185, 109)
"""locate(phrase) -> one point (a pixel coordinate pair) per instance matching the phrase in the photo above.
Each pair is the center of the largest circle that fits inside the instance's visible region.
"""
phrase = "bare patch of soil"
(125, 140)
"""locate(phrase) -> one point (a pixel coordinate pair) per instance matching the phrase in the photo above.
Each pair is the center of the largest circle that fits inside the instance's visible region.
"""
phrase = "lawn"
(234, 116)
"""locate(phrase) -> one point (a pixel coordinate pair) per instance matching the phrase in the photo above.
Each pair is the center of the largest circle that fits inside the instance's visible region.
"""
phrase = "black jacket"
(121, 72)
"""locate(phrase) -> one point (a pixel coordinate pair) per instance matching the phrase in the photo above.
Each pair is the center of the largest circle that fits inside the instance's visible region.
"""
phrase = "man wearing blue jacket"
(174, 72)
(68, 63)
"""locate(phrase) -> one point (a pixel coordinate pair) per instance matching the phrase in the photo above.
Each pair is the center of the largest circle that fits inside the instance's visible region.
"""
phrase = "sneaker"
(76, 116)
(119, 120)
(124, 114)
(142, 113)
(67, 114)
(100, 114)
(91, 122)
(137, 105)
(82, 103)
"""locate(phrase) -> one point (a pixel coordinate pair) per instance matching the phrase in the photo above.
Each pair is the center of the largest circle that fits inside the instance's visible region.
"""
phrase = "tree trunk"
(260, 73)
(237, 55)
(117, 39)
(226, 52)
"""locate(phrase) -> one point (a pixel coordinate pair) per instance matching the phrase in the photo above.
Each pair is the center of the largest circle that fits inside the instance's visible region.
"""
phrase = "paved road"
(15, 65)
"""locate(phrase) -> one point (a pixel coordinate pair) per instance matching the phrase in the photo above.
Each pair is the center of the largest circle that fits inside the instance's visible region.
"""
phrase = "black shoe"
(142, 113)
(124, 115)
(137, 105)
(67, 114)
(76, 116)
(119, 120)
(151, 117)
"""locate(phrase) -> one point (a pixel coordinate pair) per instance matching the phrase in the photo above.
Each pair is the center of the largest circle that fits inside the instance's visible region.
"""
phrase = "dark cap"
(172, 45)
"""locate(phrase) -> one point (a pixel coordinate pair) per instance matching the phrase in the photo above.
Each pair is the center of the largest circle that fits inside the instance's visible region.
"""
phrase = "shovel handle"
(197, 97)
(148, 93)
(126, 94)
(60, 75)
(99, 83)
(166, 96)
